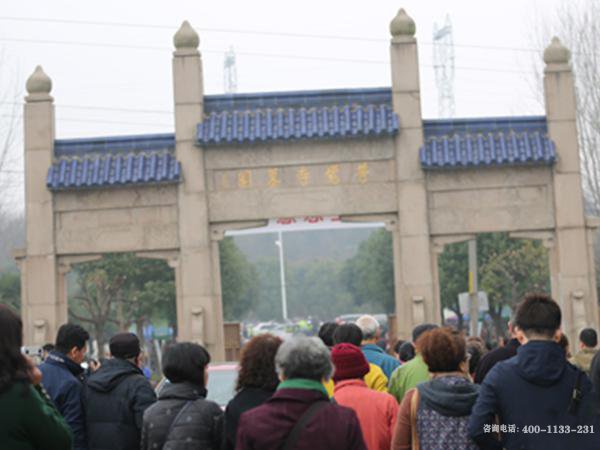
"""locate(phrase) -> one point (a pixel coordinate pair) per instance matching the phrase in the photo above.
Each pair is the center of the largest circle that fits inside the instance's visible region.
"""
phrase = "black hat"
(124, 345)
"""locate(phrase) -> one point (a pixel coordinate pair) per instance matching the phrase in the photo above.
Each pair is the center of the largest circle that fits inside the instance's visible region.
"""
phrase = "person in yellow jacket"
(350, 333)
(375, 380)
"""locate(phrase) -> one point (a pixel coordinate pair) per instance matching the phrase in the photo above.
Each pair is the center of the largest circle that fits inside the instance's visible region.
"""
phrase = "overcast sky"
(116, 79)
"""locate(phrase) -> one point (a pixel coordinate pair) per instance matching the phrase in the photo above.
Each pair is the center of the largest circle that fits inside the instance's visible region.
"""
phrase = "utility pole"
(473, 288)
(279, 243)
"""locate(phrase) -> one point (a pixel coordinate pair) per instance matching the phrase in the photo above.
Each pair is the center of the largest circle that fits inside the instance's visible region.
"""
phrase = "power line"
(113, 122)
(84, 44)
(255, 32)
(473, 93)
(256, 54)
(105, 108)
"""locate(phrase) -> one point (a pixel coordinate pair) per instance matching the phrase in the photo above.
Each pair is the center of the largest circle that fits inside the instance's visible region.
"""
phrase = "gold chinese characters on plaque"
(303, 176)
(245, 179)
(273, 178)
(333, 174)
(362, 172)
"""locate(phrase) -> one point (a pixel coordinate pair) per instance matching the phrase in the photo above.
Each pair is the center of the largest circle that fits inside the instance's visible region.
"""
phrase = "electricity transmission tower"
(229, 72)
(443, 66)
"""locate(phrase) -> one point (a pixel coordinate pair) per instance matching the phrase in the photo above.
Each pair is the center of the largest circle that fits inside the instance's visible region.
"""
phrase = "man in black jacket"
(116, 396)
(490, 359)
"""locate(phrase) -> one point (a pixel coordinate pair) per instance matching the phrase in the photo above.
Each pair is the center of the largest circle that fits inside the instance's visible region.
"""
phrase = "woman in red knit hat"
(376, 411)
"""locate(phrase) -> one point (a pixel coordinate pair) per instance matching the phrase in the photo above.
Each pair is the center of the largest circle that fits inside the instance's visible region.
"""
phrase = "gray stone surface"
(235, 187)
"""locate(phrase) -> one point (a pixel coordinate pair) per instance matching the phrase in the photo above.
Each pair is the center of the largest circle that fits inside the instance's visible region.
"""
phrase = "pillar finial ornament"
(38, 83)
(402, 25)
(186, 37)
(556, 53)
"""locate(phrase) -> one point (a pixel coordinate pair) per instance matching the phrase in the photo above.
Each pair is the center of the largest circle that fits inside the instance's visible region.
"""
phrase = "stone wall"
(116, 220)
(490, 200)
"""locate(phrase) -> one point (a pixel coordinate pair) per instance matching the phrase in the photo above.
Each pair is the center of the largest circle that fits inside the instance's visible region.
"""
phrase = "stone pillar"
(404, 322)
(43, 308)
(198, 296)
(415, 291)
(436, 251)
(571, 261)
(592, 224)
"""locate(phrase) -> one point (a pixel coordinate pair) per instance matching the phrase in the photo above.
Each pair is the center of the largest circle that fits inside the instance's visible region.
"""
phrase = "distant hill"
(302, 246)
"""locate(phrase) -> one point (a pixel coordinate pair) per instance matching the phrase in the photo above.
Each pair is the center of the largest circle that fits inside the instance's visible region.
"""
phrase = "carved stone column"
(412, 249)
(199, 309)
(42, 309)
(575, 284)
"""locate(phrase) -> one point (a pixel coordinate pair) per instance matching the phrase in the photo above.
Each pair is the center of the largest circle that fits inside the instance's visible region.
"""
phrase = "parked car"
(347, 318)
(221, 382)
(351, 318)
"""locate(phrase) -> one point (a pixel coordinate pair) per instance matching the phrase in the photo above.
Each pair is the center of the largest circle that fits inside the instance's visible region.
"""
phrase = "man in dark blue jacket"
(531, 394)
(62, 377)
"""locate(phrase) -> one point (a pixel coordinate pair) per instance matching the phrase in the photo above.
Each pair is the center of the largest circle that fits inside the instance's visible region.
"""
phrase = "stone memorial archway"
(236, 161)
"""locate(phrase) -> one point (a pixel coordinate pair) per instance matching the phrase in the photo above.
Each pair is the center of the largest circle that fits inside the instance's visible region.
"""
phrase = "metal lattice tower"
(229, 72)
(443, 65)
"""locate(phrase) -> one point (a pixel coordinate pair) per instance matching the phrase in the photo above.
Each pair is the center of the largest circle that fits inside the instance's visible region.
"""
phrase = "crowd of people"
(341, 390)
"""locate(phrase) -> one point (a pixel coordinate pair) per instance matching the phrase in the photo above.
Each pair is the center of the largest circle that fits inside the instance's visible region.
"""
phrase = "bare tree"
(11, 167)
(99, 291)
(576, 24)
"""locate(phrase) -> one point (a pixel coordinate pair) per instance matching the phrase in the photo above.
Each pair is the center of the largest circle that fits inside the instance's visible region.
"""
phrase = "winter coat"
(266, 427)
(243, 401)
(376, 355)
(375, 380)
(376, 411)
(115, 397)
(63, 381)
(442, 414)
(407, 376)
(490, 359)
(182, 419)
(594, 402)
(532, 389)
(583, 359)
(30, 421)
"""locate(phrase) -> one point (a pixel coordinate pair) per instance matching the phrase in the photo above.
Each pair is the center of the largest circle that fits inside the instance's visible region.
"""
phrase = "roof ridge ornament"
(402, 25)
(556, 53)
(186, 37)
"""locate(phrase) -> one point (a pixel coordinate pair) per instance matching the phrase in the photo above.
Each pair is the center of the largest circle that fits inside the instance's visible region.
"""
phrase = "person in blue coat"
(535, 399)
(375, 355)
(62, 378)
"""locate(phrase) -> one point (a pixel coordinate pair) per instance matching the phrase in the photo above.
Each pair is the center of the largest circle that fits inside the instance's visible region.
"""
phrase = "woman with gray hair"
(299, 415)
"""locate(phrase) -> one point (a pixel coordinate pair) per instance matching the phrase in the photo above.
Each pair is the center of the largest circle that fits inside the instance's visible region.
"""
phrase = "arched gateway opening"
(307, 268)
(365, 155)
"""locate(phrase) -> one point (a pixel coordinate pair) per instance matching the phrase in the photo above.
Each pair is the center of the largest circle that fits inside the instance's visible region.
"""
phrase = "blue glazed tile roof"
(297, 99)
(334, 114)
(331, 114)
(463, 143)
(113, 161)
